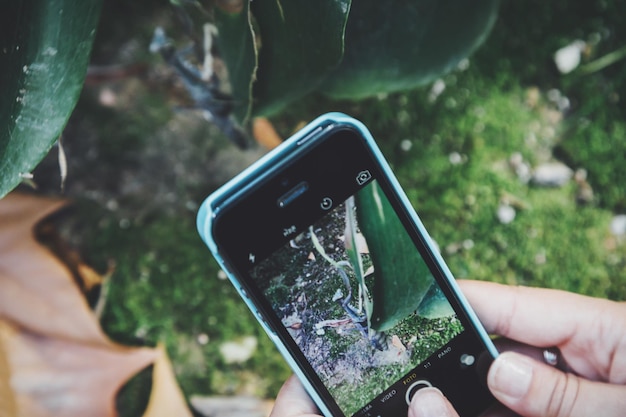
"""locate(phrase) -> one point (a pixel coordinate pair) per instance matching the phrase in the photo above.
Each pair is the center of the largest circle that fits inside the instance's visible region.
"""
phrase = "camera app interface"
(359, 301)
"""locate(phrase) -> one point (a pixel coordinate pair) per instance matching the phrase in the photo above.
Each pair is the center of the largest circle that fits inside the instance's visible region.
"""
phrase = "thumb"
(534, 389)
(430, 402)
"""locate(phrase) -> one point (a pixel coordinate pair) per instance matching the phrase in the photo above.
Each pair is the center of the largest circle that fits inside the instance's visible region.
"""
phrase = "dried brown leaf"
(52, 377)
(8, 408)
(54, 355)
(166, 398)
(264, 133)
(87, 278)
(36, 291)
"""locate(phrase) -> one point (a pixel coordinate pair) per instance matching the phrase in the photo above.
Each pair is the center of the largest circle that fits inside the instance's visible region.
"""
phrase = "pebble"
(455, 158)
(238, 351)
(568, 58)
(520, 167)
(468, 244)
(618, 225)
(506, 214)
(235, 406)
(437, 88)
(552, 174)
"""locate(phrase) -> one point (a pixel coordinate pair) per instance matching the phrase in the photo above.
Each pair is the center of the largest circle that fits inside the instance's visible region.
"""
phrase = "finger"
(430, 402)
(551, 356)
(534, 389)
(293, 401)
(545, 318)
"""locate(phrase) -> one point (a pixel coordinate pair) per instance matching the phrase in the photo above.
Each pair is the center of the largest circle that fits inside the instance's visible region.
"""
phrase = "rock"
(406, 145)
(238, 351)
(618, 225)
(455, 158)
(552, 174)
(435, 91)
(506, 214)
(520, 167)
(237, 406)
(567, 58)
(559, 100)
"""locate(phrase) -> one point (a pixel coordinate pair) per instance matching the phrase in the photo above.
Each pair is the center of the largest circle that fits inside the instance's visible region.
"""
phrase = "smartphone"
(324, 247)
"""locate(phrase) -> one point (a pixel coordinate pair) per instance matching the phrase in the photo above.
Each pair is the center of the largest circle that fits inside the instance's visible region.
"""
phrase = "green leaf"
(44, 52)
(320, 249)
(435, 304)
(301, 43)
(352, 249)
(235, 41)
(402, 280)
(396, 45)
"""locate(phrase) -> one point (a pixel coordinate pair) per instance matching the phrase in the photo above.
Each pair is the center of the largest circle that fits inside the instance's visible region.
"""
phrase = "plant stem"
(605, 61)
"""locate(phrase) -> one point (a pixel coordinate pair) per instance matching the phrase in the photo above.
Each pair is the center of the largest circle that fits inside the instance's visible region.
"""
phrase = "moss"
(166, 289)
(166, 286)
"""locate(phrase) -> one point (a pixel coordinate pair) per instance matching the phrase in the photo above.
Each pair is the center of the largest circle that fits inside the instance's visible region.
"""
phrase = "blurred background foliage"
(139, 164)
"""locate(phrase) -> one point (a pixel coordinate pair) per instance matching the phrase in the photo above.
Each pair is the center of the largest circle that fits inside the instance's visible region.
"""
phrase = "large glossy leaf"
(44, 51)
(402, 281)
(435, 305)
(342, 49)
(301, 42)
(397, 44)
(238, 50)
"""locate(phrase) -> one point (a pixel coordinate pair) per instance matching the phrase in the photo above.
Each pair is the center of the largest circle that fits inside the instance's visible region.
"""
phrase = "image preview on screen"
(325, 287)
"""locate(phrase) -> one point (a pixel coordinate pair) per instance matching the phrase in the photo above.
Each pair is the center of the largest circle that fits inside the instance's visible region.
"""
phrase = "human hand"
(293, 401)
(590, 334)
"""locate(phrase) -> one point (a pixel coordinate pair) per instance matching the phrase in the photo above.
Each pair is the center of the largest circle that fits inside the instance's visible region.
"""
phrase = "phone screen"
(350, 285)
(324, 296)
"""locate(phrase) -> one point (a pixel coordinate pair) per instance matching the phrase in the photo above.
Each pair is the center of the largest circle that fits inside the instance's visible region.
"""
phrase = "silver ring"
(551, 356)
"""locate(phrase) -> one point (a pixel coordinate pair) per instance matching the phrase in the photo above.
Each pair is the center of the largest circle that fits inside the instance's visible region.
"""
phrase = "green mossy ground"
(166, 287)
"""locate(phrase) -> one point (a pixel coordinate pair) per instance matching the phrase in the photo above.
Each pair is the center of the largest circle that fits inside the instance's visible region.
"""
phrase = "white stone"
(230, 406)
(468, 244)
(238, 351)
(552, 174)
(435, 91)
(567, 58)
(618, 225)
(520, 167)
(455, 158)
(505, 213)
(203, 339)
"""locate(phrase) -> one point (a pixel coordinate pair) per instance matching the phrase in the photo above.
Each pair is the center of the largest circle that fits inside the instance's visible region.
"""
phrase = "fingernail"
(510, 375)
(429, 402)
